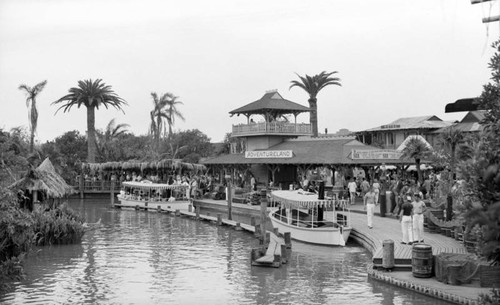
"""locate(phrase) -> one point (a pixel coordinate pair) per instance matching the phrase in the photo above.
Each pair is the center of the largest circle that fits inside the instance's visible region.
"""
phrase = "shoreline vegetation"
(22, 230)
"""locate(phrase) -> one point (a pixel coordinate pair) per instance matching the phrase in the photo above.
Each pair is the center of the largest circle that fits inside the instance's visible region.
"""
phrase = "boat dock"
(384, 228)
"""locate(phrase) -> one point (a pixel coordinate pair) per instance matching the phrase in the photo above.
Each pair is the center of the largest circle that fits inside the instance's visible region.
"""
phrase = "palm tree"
(31, 94)
(173, 112)
(158, 115)
(416, 149)
(113, 131)
(313, 85)
(91, 94)
(452, 138)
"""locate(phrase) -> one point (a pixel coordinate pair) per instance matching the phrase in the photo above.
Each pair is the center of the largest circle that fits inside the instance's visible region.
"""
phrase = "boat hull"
(330, 236)
(130, 202)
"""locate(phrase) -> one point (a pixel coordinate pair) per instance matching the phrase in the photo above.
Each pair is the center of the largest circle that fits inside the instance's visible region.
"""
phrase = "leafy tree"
(66, 152)
(313, 85)
(482, 172)
(91, 94)
(417, 150)
(190, 146)
(31, 94)
(13, 155)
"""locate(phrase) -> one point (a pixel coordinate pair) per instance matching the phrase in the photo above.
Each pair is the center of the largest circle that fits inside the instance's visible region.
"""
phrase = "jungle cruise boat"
(309, 219)
(146, 193)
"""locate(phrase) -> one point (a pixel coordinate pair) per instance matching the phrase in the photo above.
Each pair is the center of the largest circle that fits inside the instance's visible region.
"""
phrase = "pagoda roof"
(271, 102)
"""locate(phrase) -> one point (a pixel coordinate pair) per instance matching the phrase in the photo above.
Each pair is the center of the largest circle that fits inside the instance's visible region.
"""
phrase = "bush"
(58, 226)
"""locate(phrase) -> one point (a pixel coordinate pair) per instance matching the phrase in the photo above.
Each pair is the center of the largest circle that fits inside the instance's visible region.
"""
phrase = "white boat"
(147, 193)
(309, 219)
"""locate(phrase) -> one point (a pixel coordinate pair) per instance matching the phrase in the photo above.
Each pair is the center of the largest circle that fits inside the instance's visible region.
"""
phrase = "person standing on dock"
(352, 186)
(370, 201)
(406, 221)
(418, 219)
(365, 187)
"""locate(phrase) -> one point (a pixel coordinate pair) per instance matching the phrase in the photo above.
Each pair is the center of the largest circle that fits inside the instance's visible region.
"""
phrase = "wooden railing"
(272, 128)
(99, 186)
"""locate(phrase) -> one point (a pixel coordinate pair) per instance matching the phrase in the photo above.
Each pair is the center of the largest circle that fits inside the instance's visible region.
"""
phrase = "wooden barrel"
(422, 260)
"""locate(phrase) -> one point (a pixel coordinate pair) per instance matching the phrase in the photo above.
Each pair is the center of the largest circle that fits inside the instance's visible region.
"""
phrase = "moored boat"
(309, 219)
(146, 193)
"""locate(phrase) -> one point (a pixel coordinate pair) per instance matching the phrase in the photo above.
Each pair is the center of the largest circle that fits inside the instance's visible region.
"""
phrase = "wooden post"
(288, 239)
(266, 237)
(197, 212)
(263, 217)
(177, 213)
(238, 227)
(137, 207)
(219, 219)
(284, 255)
(229, 199)
(190, 208)
(257, 231)
(252, 221)
(276, 231)
(82, 185)
(112, 192)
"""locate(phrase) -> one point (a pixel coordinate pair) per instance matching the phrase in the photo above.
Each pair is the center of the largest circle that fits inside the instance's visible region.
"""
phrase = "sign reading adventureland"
(268, 154)
(375, 154)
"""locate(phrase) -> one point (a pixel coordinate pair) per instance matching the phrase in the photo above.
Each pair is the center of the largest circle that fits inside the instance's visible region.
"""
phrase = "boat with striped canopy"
(309, 219)
(144, 193)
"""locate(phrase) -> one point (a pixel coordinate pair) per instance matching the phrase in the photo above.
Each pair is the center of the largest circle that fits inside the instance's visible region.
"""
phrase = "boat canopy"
(148, 185)
(300, 199)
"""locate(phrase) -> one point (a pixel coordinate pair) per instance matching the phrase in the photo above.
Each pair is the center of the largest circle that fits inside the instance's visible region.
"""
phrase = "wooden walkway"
(389, 228)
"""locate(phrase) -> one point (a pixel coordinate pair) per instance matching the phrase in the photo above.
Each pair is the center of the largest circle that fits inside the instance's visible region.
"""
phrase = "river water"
(138, 257)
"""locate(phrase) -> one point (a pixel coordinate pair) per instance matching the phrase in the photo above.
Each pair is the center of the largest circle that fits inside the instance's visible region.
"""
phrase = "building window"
(390, 138)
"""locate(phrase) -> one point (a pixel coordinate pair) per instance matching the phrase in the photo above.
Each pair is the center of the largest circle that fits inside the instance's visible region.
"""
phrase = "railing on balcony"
(272, 128)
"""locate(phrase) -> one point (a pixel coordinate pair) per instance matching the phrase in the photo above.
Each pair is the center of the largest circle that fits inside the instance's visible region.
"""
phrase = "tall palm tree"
(31, 94)
(173, 112)
(91, 94)
(158, 115)
(416, 149)
(110, 135)
(313, 85)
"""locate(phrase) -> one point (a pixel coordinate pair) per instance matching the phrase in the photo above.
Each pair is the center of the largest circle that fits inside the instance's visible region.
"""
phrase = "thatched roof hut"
(44, 178)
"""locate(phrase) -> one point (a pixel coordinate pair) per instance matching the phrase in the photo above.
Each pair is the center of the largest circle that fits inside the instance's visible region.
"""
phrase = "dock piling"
(288, 240)
(197, 212)
(190, 208)
(158, 208)
(219, 219)
(238, 227)
(177, 213)
(252, 221)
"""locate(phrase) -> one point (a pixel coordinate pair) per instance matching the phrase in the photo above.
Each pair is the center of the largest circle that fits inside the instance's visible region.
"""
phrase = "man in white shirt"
(352, 186)
(418, 218)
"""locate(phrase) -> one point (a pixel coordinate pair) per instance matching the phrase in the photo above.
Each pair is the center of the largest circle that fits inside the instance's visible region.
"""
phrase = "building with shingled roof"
(392, 135)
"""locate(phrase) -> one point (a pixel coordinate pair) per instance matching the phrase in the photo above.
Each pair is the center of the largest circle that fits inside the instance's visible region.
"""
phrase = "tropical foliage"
(417, 150)
(190, 146)
(482, 172)
(108, 138)
(92, 95)
(313, 85)
(31, 94)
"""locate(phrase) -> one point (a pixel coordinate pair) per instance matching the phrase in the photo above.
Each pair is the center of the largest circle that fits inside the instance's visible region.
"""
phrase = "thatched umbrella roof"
(44, 178)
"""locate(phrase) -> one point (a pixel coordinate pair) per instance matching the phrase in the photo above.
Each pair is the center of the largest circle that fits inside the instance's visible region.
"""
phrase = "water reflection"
(150, 258)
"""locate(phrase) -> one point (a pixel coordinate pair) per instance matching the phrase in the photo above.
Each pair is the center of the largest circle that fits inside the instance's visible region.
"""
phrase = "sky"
(394, 58)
